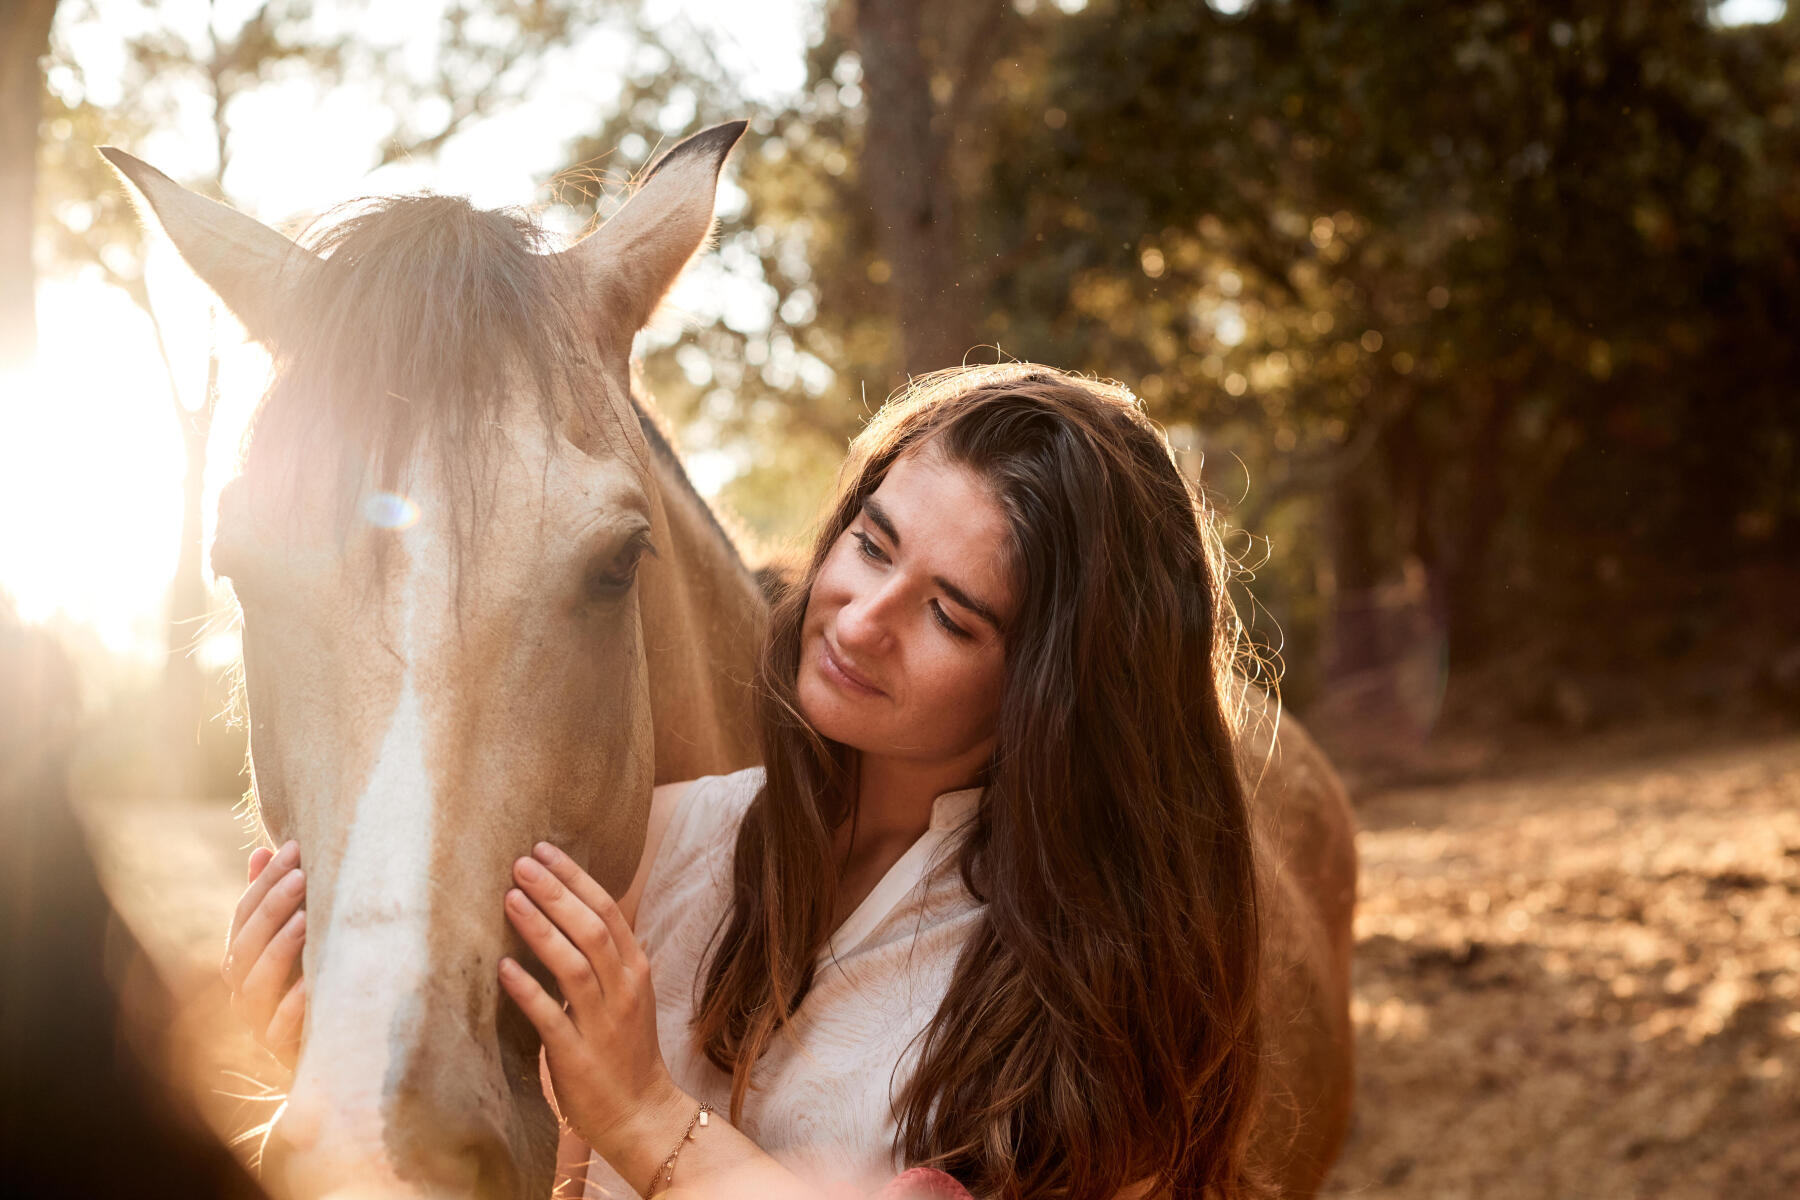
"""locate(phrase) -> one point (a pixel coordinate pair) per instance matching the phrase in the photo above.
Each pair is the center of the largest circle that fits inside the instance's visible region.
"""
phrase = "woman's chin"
(823, 707)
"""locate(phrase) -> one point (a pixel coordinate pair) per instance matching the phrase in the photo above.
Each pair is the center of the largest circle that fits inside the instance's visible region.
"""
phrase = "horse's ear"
(247, 264)
(629, 264)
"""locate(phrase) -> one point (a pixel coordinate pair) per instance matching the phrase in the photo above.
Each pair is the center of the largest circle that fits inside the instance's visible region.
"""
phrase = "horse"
(483, 606)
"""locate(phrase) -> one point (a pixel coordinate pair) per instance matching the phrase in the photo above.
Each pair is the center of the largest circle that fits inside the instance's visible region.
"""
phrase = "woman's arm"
(920, 1183)
(573, 1156)
(720, 1160)
(611, 1083)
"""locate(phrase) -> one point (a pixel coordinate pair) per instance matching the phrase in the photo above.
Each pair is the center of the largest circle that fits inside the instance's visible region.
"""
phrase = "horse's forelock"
(427, 322)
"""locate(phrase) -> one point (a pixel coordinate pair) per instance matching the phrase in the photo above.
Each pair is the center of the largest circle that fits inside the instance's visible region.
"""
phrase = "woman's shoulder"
(688, 848)
(701, 804)
(699, 816)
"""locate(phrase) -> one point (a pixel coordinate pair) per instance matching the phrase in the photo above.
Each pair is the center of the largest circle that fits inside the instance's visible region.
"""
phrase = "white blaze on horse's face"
(429, 716)
(442, 672)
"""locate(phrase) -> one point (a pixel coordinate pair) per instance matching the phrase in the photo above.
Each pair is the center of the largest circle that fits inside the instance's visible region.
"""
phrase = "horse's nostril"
(451, 1171)
(494, 1174)
(472, 1160)
(419, 1129)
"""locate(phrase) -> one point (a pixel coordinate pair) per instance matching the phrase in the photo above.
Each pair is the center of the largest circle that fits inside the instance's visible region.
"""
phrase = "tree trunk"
(1353, 637)
(24, 39)
(1373, 627)
(1470, 586)
(184, 680)
(906, 182)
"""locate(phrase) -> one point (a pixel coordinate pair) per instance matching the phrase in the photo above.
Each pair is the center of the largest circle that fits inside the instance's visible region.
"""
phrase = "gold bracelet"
(665, 1174)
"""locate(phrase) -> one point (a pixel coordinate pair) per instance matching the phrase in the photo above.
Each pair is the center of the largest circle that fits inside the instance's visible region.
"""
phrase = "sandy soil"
(1582, 980)
(1578, 974)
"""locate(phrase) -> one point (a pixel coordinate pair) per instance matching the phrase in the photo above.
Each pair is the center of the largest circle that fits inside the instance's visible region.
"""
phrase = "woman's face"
(901, 649)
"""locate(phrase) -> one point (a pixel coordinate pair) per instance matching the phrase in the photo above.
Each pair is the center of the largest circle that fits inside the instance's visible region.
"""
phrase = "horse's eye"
(611, 578)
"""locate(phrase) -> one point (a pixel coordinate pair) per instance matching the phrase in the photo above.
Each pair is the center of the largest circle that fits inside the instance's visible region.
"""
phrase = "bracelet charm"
(665, 1174)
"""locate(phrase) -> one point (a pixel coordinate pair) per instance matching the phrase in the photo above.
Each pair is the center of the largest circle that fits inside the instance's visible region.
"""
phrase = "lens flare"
(390, 510)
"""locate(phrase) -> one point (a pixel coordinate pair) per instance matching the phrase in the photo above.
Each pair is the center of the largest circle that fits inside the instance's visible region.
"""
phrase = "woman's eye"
(867, 546)
(943, 618)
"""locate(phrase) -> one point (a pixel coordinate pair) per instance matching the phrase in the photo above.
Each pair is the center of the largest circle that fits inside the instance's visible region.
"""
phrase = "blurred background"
(1476, 320)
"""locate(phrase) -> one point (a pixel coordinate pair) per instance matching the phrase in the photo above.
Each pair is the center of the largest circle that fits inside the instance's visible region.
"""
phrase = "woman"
(990, 909)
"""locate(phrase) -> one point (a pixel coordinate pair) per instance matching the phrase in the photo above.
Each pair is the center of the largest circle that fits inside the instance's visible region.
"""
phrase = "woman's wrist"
(639, 1142)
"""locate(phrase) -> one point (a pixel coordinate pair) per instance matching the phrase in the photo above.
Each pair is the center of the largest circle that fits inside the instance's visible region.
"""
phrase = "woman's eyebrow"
(969, 602)
(882, 521)
(879, 518)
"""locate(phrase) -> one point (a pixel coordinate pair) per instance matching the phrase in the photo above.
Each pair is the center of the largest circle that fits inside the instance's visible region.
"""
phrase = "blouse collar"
(948, 813)
(951, 809)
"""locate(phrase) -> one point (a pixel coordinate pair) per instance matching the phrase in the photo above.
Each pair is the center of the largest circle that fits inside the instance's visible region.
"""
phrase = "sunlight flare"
(390, 510)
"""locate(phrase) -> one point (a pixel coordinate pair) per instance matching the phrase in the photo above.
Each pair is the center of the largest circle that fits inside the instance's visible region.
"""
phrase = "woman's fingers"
(541, 1009)
(602, 1051)
(261, 880)
(259, 858)
(570, 966)
(597, 900)
(575, 915)
(268, 979)
(283, 1035)
(251, 943)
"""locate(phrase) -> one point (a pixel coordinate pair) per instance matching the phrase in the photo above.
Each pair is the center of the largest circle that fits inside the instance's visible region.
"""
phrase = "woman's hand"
(262, 952)
(605, 1063)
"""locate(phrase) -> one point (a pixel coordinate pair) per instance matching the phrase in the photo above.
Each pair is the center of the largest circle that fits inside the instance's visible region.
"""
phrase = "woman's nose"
(866, 622)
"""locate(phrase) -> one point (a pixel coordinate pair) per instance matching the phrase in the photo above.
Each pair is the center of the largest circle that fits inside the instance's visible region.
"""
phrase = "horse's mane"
(424, 320)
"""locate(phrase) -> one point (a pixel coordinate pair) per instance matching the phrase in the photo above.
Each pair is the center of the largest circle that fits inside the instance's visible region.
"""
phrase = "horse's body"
(1306, 859)
(451, 651)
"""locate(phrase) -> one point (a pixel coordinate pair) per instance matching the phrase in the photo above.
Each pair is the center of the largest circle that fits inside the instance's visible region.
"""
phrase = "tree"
(24, 40)
(1485, 266)
(1489, 304)
(860, 192)
(482, 64)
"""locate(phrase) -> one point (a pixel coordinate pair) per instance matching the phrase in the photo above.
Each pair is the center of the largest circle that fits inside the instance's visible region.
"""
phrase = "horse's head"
(445, 502)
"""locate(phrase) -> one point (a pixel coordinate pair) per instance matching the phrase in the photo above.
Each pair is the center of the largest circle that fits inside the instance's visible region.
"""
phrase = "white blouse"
(822, 1108)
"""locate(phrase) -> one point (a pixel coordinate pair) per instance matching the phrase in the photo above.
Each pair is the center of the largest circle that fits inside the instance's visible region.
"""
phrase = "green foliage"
(772, 377)
(1512, 281)
(1495, 297)
(1488, 303)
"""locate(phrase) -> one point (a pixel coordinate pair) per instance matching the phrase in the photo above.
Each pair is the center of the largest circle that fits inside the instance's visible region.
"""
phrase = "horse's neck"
(702, 617)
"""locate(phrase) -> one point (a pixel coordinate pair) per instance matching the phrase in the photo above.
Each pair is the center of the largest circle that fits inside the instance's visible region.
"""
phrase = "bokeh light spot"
(390, 510)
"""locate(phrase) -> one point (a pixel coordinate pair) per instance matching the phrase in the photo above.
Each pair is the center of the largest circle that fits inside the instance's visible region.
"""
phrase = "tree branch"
(977, 55)
(1312, 476)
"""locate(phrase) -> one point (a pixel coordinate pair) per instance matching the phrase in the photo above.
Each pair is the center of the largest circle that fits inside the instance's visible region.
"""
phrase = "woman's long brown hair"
(1100, 1029)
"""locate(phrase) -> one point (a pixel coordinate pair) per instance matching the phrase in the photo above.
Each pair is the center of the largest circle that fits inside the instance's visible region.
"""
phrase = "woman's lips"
(834, 669)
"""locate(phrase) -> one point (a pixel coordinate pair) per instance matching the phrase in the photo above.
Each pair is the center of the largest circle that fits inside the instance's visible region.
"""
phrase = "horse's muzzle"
(423, 1150)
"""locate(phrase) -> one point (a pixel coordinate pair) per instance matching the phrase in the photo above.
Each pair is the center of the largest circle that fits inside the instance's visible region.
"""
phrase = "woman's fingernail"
(296, 879)
(517, 899)
(530, 869)
(544, 851)
(509, 968)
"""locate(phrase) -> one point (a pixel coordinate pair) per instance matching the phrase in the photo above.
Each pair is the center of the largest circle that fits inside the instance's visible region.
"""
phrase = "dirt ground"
(1577, 971)
(1582, 978)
